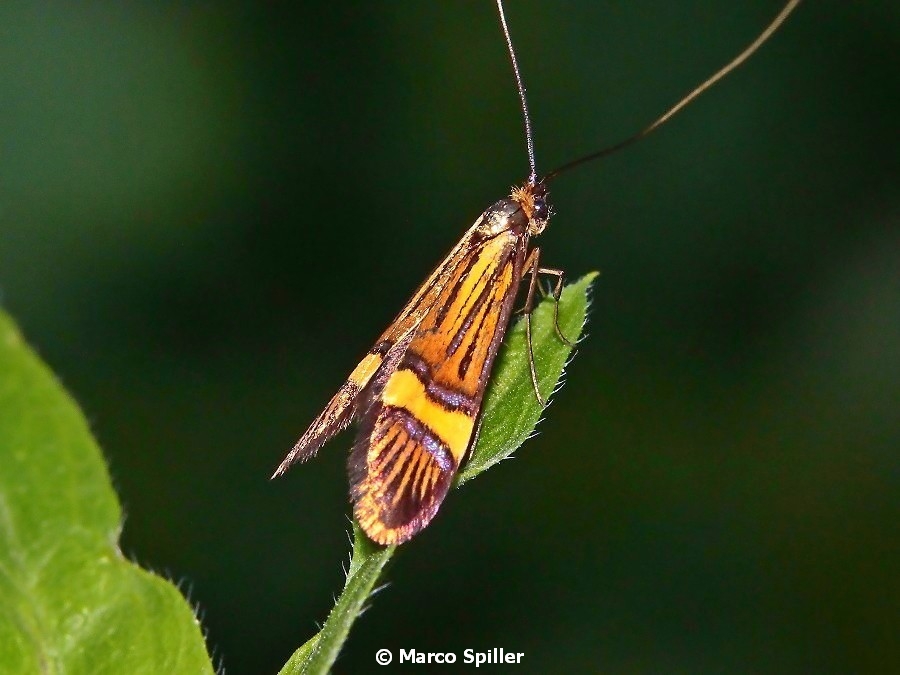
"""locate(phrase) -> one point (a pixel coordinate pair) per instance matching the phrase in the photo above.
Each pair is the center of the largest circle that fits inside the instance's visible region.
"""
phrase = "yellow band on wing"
(366, 368)
(453, 427)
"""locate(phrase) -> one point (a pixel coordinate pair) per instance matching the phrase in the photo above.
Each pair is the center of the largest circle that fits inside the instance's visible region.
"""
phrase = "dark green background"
(209, 210)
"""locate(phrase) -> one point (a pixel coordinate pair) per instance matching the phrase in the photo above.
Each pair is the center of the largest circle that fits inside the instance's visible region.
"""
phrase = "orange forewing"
(344, 405)
(418, 392)
(418, 427)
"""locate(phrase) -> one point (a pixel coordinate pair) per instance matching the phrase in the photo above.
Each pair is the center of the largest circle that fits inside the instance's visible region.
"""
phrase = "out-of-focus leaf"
(69, 601)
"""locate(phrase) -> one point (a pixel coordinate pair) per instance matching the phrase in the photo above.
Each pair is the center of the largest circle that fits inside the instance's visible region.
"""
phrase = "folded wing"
(419, 416)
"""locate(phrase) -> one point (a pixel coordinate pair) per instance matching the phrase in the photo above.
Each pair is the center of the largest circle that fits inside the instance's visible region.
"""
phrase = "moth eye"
(541, 210)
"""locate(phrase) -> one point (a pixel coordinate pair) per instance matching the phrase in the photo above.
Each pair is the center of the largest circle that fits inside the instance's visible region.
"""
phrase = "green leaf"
(511, 409)
(511, 412)
(69, 601)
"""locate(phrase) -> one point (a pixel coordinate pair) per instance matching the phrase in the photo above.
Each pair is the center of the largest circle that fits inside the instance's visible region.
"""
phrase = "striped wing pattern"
(420, 415)
(417, 393)
(345, 405)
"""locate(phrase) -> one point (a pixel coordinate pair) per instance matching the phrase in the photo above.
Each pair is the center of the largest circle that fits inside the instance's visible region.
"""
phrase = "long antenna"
(678, 107)
(529, 139)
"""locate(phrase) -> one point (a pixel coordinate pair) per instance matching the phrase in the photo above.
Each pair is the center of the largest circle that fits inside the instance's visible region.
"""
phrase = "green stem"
(366, 563)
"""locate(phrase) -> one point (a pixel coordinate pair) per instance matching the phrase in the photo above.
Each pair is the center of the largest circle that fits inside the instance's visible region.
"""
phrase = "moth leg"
(531, 266)
(542, 289)
(557, 293)
(533, 269)
(534, 382)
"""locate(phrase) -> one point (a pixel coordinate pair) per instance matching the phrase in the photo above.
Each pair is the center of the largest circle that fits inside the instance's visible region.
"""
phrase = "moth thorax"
(507, 215)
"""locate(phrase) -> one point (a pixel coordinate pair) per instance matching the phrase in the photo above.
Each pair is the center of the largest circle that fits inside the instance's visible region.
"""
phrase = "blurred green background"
(208, 211)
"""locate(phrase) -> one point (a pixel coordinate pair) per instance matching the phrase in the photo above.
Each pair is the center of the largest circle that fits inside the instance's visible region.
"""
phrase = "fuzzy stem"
(318, 655)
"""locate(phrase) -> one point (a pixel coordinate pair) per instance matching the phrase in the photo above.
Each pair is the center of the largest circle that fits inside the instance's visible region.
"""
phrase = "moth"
(417, 393)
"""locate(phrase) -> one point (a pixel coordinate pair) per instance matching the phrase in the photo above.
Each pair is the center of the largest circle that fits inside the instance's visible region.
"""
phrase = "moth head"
(525, 212)
(532, 196)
